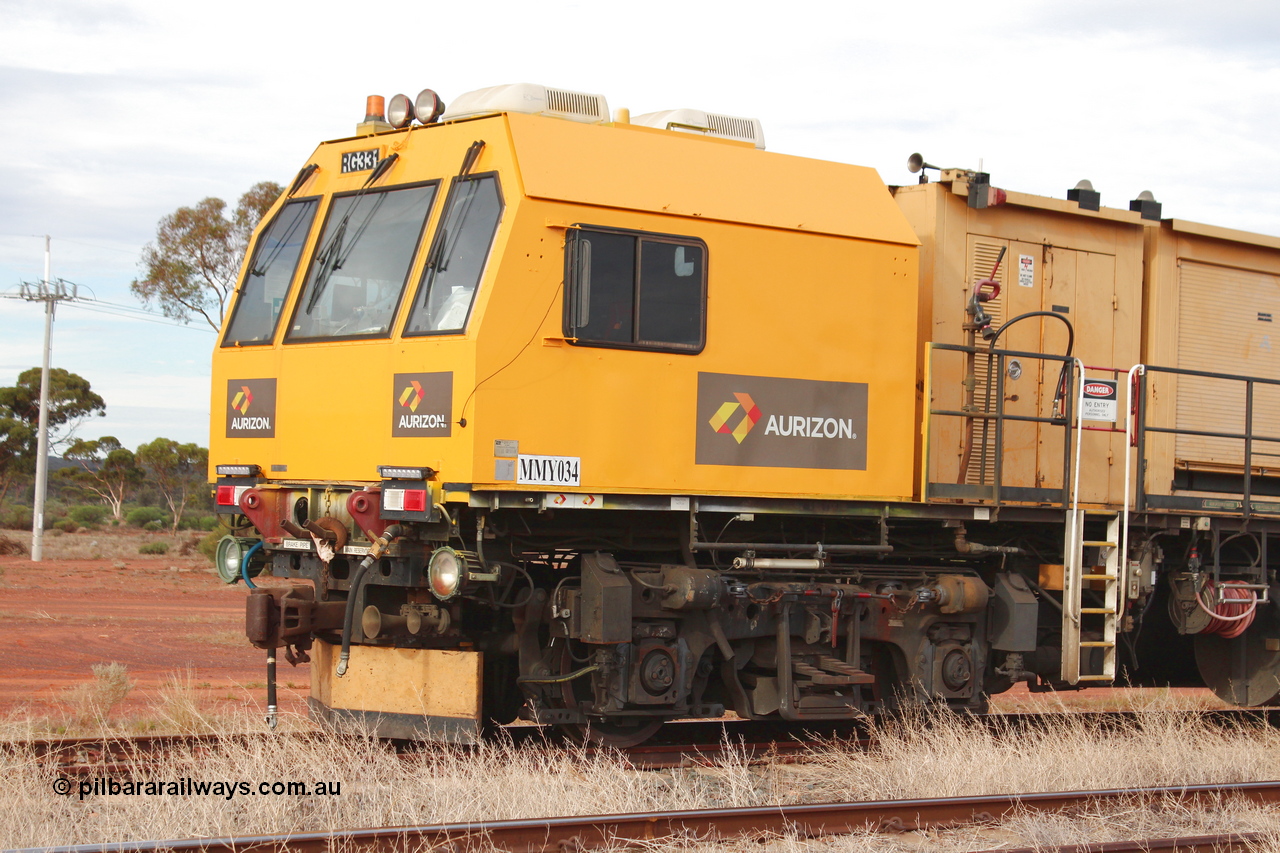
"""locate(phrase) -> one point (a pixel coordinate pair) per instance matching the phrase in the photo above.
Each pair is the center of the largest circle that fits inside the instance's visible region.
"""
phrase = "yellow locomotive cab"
(606, 422)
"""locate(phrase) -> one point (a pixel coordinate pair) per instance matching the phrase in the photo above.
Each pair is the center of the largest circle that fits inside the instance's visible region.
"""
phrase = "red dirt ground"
(167, 616)
(161, 616)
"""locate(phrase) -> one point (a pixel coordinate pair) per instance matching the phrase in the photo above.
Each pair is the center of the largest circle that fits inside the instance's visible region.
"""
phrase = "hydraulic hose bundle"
(1233, 616)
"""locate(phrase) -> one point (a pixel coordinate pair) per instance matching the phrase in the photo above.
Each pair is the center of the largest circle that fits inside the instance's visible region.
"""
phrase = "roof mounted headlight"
(427, 107)
(399, 111)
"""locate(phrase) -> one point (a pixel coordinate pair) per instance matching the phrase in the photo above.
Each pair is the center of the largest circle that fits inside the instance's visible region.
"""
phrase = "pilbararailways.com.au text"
(104, 786)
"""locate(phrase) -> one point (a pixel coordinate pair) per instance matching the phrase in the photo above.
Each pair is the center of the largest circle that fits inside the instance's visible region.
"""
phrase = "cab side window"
(635, 290)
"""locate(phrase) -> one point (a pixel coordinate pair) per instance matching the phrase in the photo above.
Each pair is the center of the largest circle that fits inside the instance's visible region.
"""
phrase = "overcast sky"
(116, 113)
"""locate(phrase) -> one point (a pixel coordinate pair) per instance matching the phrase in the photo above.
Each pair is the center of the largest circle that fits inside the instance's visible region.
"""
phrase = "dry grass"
(90, 703)
(181, 706)
(930, 754)
(107, 544)
(1163, 747)
(12, 546)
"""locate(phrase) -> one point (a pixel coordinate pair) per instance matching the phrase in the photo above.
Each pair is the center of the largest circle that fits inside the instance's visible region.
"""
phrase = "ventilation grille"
(982, 461)
(575, 104)
(532, 99)
(737, 128)
(705, 124)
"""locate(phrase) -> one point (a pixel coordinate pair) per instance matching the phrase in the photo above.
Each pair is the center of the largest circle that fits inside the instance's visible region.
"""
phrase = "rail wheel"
(614, 734)
(1243, 670)
(618, 734)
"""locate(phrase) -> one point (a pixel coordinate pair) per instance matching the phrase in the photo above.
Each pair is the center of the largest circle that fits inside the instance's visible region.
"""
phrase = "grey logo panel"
(766, 421)
(251, 408)
(422, 405)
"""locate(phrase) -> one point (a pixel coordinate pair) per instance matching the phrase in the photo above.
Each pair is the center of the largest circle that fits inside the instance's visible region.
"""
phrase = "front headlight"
(445, 572)
(230, 556)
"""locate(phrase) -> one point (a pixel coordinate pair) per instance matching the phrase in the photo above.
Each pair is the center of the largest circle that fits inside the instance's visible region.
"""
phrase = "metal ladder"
(1073, 609)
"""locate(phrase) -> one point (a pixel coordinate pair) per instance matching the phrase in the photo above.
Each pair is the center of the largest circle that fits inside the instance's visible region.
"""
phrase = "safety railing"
(988, 419)
(1250, 478)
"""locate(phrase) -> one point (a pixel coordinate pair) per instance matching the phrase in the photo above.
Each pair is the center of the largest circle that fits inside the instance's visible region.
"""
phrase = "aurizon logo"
(750, 414)
(240, 402)
(412, 395)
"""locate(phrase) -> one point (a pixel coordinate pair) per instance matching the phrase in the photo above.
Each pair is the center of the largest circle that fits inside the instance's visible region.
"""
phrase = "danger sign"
(1100, 400)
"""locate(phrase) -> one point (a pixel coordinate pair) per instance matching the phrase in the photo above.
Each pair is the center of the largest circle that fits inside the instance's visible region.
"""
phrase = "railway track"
(1234, 842)
(678, 744)
(810, 820)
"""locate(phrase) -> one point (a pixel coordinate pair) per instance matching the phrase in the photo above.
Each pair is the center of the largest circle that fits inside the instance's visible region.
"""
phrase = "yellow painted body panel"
(435, 683)
(1211, 305)
(1088, 263)
(811, 275)
(703, 179)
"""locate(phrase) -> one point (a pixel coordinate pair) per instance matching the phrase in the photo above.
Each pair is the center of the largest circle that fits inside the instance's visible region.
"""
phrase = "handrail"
(1075, 480)
(997, 415)
(1248, 436)
(1129, 418)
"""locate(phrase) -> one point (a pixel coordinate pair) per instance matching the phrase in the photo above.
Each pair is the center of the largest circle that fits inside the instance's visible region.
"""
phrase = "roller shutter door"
(1228, 322)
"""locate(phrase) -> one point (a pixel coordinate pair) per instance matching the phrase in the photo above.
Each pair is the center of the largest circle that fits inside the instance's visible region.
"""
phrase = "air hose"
(376, 550)
(1233, 616)
(244, 564)
(556, 679)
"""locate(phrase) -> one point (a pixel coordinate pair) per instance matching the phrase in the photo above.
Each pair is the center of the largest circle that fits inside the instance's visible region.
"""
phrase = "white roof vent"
(707, 124)
(529, 98)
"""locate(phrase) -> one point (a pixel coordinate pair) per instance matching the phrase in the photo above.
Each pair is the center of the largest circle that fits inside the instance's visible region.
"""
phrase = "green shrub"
(209, 544)
(66, 525)
(144, 515)
(155, 525)
(86, 515)
(208, 522)
(154, 548)
(16, 518)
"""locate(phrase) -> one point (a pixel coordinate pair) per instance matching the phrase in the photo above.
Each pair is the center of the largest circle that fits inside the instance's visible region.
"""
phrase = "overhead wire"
(97, 307)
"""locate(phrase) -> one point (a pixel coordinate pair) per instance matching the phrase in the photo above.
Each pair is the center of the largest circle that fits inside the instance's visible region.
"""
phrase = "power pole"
(50, 293)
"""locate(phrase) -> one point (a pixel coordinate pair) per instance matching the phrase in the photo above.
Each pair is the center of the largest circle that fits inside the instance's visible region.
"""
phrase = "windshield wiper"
(330, 259)
(332, 256)
(300, 209)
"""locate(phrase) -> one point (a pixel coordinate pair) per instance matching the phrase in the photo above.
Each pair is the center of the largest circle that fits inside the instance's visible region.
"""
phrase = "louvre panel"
(982, 462)
(1220, 330)
(730, 126)
(563, 101)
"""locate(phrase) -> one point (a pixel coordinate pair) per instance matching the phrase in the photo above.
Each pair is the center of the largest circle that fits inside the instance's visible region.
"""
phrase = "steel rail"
(1234, 842)
(541, 835)
(677, 744)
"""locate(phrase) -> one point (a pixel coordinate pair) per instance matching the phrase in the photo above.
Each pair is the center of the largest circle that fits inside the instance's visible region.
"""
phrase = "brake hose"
(376, 550)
